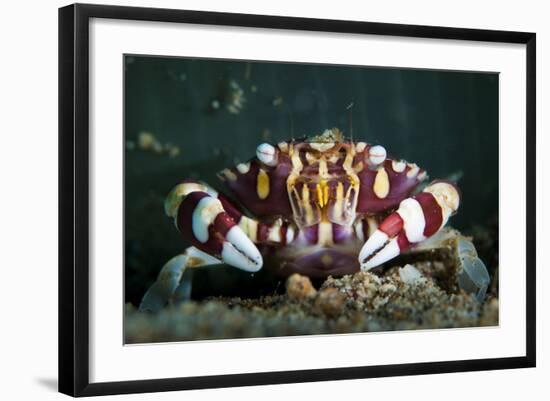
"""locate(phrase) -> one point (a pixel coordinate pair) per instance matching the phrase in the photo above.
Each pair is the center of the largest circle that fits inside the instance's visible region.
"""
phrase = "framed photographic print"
(278, 199)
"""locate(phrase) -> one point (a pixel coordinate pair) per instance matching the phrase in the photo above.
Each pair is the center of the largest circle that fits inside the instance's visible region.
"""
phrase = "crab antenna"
(350, 116)
(291, 122)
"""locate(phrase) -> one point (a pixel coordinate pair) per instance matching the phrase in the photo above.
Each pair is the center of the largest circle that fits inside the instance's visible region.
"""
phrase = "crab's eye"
(376, 155)
(267, 154)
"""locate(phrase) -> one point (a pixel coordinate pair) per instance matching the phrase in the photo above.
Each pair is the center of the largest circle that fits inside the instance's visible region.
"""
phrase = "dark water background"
(446, 122)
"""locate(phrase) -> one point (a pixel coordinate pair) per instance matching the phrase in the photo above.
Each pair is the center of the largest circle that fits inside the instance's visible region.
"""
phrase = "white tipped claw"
(375, 242)
(377, 250)
(240, 252)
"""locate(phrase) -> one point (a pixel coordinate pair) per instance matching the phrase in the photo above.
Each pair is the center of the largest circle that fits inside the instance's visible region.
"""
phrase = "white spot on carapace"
(413, 220)
(243, 168)
(422, 176)
(398, 166)
(413, 170)
(360, 146)
(267, 154)
(204, 214)
(377, 155)
(381, 185)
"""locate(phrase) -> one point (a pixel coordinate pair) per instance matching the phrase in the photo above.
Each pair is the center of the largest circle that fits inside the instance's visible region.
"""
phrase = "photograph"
(272, 198)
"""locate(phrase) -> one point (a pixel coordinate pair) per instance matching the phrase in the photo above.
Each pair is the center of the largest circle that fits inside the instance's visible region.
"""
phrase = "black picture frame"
(74, 198)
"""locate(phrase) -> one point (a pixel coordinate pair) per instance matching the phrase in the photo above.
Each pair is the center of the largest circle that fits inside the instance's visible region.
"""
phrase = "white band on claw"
(204, 214)
(413, 220)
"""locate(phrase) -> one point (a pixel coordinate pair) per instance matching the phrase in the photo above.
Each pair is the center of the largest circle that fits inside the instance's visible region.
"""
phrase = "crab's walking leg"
(207, 220)
(416, 219)
(170, 285)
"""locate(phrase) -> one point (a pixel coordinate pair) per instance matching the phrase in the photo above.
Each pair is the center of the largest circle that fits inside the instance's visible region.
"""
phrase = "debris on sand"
(299, 287)
(362, 302)
(409, 274)
(330, 302)
(434, 290)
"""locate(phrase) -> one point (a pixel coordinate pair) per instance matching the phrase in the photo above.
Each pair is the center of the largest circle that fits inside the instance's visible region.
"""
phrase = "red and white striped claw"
(416, 219)
(202, 219)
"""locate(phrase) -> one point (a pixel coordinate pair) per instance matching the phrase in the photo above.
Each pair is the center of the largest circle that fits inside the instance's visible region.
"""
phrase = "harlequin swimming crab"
(321, 206)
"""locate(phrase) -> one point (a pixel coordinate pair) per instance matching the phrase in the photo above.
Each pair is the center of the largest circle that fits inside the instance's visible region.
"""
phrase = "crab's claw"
(202, 219)
(416, 219)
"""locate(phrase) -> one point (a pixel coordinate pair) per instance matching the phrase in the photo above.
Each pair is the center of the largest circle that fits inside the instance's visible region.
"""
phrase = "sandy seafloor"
(381, 300)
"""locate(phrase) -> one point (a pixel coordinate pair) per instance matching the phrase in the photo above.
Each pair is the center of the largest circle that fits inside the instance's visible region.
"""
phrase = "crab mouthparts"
(326, 200)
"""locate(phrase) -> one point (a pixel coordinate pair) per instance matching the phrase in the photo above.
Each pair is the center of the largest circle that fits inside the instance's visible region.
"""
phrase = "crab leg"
(170, 284)
(200, 215)
(416, 219)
